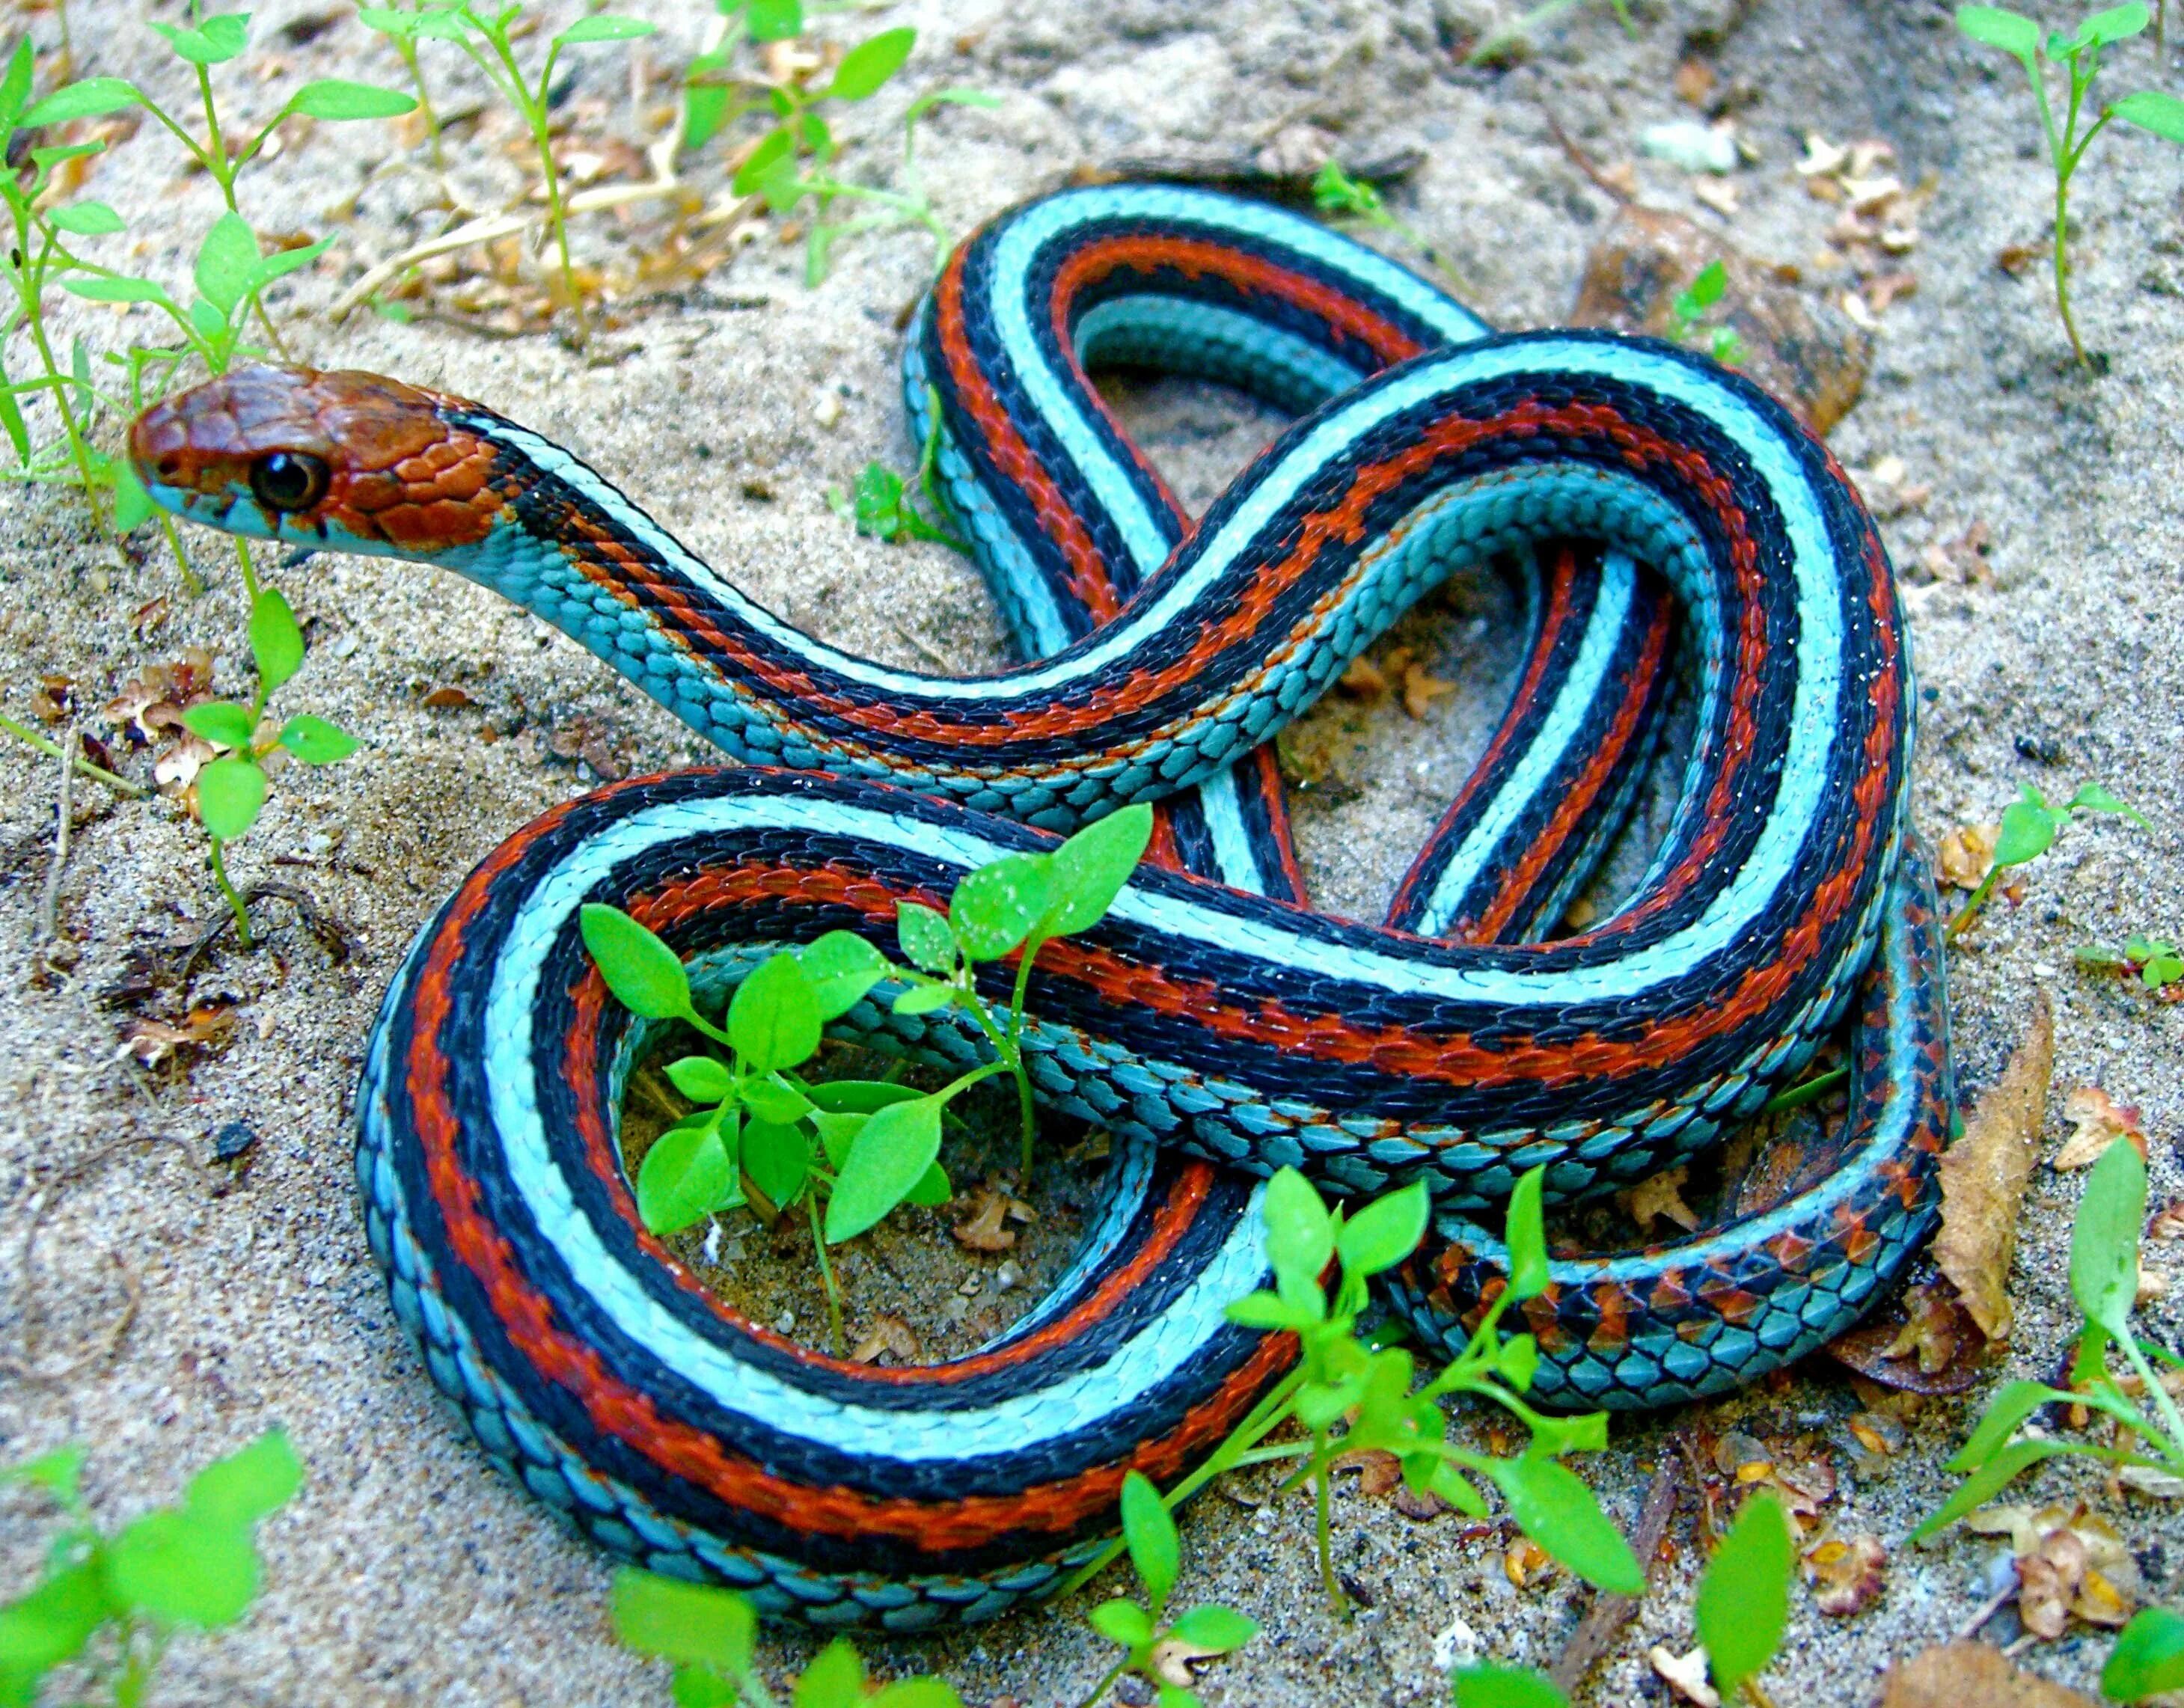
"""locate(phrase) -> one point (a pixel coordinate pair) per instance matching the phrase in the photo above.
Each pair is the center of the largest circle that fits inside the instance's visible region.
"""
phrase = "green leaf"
(118, 291)
(869, 64)
(842, 967)
(701, 1078)
(229, 792)
(925, 999)
(2163, 114)
(209, 324)
(2095, 799)
(915, 1693)
(283, 262)
(1211, 1626)
(700, 1687)
(1334, 191)
(1300, 1233)
(694, 1623)
(179, 1568)
(1989, 1480)
(774, 20)
(1708, 287)
(245, 1487)
(87, 99)
(1149, 1532)
(1449, 1481)
(1265, 1310)
(277, 640)
(1088, 871)
(337, 100)
(57, 1473)
(2012, 1403)
(773, 1021)
(949, 98)
(203, 46)
(927, 942)
(773, 1098)
(705, 111)
(684, 1178)
(2027, 831)
(1525, 1234)
(2147, 1657)
(861, 1096)
(995, 908)
(834, 1679)
(889, 1156)
(1518, 1361)
(2117, 23)
(777, 145)
(225, 262)
(85, 219)
(877, 502)
(603, 26)
(1743, 1596)
(15, 86)
(1384, 1233)
(1504, 1687)
(646, 976)
(2104, 1239)
(221, 722)
(1553, 1507)
(132, 504)
(1997, 27)
(933, 1189)
(50, 1626)
(777, 1159)
(1122, 1622)
(316, 742)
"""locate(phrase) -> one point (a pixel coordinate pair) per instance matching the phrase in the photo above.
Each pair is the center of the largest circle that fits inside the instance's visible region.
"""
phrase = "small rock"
(1009, 1274)
(234, 1141)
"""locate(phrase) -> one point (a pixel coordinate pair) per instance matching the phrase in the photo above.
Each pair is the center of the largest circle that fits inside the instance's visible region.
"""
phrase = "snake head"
(350, 461)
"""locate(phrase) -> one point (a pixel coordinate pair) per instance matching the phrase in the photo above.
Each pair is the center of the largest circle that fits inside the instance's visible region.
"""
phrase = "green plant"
(1342, 1378)
(1334, 191)
(1155, 1551)
(400, 26)
(791, 161)
(1500, 43)
(1689, 307)
(489, 39)
(232, 789)
(109, 1604)
(2028, 830)
(2104, 1244)
(881, 505)
(2080, 57)
(863, 1145)
(711, 98)
(2148, 1657)
(2154, 963)
(710, 1635)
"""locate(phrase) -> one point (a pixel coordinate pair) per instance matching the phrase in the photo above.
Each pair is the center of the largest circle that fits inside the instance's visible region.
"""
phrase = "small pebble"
(826, 408)
(233, 1141)
(1009, 1274)
(785, 1323)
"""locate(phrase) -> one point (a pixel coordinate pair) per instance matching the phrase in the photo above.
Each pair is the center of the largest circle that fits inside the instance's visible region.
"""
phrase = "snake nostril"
(171, 465)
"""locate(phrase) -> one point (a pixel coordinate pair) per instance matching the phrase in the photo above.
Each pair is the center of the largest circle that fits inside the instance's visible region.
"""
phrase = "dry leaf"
(1984, 1175)
(1176, 1662)
(153, 1041)
(1364, 680)
(1823, 158)
(2069, 1562)
(1658, 1196)
(887, 1334)
(1717, 193)
(1421, 690)
(2144, 1479)
(990, 1206)
(1693, 82)
(1686, 1675)
(1925, 1344)
(2014, 258)
(446, 698)
(1379, 1471)
(1848, 1576)
(2168, 1222)
(1971, 1675)
(2097, 1121)
(1526, 1560)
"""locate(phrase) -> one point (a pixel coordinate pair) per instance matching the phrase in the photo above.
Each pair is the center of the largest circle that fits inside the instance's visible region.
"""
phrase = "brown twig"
(336, 941)
(49, 903)
(1583, 161)
(1604, 1619)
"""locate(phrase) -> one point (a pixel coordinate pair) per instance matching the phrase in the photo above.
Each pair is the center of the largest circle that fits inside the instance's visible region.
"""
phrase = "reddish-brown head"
(349, 460)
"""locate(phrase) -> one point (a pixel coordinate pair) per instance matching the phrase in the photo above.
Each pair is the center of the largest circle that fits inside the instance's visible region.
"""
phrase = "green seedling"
(488, 38)
(2156, 965)
(1343, 1379)
(108, 1605)
(864, 1146)
(2079, 58)
(2148, 1659)
(711, 1636)
(232, 789)
(713, 97)
(1690, 307)
(2028, 830)
(403, 27)
(1141, 1628)
(1499, 44)
(2104, 1243)
(1336, 192)
(882, 506)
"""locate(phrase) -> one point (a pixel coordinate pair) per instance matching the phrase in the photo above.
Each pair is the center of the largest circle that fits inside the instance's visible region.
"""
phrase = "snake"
(1686, 557)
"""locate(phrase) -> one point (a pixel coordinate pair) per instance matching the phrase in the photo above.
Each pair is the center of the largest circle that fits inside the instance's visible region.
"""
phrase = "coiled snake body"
(1218, 1025)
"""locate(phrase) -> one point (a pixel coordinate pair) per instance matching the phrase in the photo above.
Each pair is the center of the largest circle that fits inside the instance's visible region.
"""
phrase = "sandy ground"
(406, 1571)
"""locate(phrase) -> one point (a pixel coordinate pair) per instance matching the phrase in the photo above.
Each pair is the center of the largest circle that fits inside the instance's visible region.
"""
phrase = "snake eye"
(288, 481)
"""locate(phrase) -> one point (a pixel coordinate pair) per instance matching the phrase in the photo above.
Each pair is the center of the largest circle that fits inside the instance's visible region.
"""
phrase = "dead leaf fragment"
(2168, 1222)
(2069, 1562)
(1967, 855)
(446, 698)
(1526, 1560)
(1984, 1175)
(2097, 1121)
(1925, 1344)
(1421, 690)
(888, 1334)
(1686, 1674)
(153, 1041)
(1848, 1575)
(1971, 1675)
(991, 1207)
(1658, 1196)
(1177, 1662)
(1379, 1471)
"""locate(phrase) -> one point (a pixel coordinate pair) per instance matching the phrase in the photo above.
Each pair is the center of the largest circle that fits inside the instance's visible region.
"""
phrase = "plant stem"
(190, 579)
(826, 1273)
(249, 571)
(234, 901)
(1107, 1683)
(1806, 1091)
(1970, 910)
(84, 767)
(1321, 1489)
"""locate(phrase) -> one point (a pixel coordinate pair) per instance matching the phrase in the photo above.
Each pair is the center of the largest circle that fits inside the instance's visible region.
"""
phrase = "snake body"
(1213, 1022)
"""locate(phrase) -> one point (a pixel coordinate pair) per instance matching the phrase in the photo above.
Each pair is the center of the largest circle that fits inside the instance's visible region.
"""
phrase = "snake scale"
(1658, 513)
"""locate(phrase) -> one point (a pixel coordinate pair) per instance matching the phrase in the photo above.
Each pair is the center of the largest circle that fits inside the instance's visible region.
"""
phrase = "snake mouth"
(346, 459)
